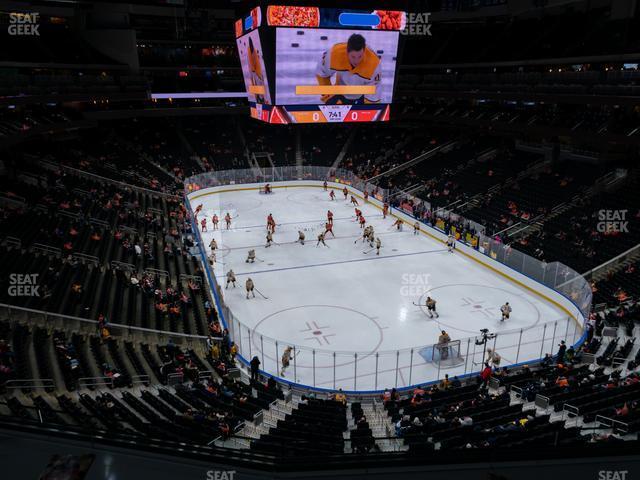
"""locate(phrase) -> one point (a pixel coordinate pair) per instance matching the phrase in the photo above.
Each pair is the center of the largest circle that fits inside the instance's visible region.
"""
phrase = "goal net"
(446, 355)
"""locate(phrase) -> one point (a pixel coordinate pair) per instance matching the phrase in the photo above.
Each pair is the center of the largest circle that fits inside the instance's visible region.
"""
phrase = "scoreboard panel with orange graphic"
(319, 65)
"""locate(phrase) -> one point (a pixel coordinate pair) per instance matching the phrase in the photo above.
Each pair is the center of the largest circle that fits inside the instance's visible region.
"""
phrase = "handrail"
(95, 322)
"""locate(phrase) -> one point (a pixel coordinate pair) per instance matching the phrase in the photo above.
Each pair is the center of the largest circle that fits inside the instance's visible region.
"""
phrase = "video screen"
(253, 68)
(317, 66)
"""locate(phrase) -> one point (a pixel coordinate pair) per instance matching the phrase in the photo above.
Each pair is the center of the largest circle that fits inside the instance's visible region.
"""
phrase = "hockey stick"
(370, 250)
(266, 298)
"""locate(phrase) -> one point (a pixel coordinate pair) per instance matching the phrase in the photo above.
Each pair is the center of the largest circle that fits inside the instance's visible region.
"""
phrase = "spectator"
(255, 368)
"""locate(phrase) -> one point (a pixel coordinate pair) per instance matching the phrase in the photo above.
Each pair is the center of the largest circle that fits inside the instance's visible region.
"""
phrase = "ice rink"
(343, 298)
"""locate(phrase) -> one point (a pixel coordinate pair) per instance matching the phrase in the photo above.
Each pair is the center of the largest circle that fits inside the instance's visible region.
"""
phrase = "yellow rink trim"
(335, 89)
(256, 89)
(517, 282)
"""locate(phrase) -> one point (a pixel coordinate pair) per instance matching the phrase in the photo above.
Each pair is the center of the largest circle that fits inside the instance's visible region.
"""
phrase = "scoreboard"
(317, 65)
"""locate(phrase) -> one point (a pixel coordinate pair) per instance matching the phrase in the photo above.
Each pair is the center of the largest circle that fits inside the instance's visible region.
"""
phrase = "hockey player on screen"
(416, 228)
(203, 222)
(286, 358)
(271, 224)
(330, 217)
(269, 239)
(251, 256)
(345, 192)
(354, 201)
(214, 220)
(227, 220)
(324, 185)
(301, 237)
(351, 63)
(385, 210)
(332, 195)
(397, 224)
(506, 310)
(378, 245)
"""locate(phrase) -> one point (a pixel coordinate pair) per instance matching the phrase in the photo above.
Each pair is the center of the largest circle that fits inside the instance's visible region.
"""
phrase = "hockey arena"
(355, 319)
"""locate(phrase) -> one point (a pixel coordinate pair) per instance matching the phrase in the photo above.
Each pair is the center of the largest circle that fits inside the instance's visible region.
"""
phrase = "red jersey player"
(330, 217)
(227, 219)
(354, 201)
(366, 196)
(385, 210)
(328, 228)
(362, 221)
(198, 209)
(214, 219)
(358, 213)
(271, 224)
(203, 223)
(345, 192)
(332, 195)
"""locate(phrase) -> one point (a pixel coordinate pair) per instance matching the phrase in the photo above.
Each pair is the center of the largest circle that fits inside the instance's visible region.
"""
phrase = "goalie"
(352, 63)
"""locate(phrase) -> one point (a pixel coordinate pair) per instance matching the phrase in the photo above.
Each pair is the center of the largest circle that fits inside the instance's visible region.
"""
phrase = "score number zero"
(335, 116)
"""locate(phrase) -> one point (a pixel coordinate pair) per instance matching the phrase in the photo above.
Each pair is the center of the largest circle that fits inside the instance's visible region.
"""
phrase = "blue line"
(342, 262)
(295, 223)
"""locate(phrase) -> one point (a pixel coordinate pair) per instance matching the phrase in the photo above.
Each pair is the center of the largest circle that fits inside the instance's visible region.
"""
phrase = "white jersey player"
(231, 278)
(378, 245)
(269, 239)
(451, 243)
(251, 256)
(506, 310)
(431, 307)
(249, 286)
(493, 358)
(301, 237)
(350, 63)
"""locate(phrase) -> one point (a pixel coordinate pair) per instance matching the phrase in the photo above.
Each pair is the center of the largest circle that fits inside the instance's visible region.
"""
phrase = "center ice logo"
(415, 284)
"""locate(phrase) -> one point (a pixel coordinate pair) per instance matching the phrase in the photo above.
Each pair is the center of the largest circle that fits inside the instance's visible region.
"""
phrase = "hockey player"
(213, 245)
(227, 220)
(345, 192)
(332, 195)
(431, 307)
(214, 220)
(249, 286)
(385, 210)
(269, 239)
(362, 221)
(378, 245)
(328, 228)
(451, 243)
(324, 185)
(493, 358)
(286, 359)
(203, 223)
(251, 257)
(198, 209)
(231, 278)
(354, 201)
(321, 240)
(366, 196)
(443, 344)
(330, 217)
(267, 188)
(301, 237)
(416, 228)
(398, 225)
(365, 233)
(358, 213)
(506, 311)
(271, 224)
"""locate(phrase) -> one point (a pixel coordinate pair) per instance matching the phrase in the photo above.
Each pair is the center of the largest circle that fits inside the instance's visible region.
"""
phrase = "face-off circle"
(325, 334)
